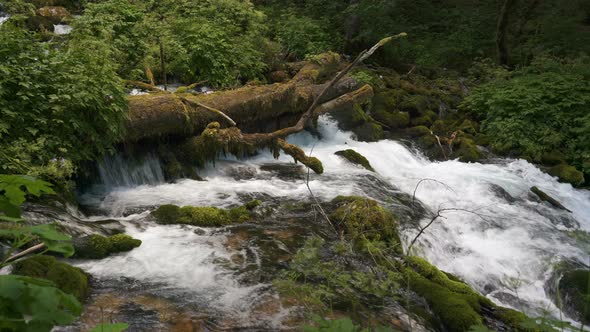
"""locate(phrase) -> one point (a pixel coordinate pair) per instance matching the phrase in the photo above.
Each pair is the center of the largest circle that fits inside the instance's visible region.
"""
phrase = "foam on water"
(503, 241)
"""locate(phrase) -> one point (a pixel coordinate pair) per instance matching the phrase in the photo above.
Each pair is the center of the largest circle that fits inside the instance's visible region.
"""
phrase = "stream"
(500, 239)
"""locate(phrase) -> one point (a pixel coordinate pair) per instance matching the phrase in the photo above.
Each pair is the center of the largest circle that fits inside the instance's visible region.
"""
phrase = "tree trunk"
(502, 31)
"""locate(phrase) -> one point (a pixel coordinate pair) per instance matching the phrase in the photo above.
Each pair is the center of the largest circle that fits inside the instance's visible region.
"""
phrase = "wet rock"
(501, 193)
(285, 171)
(546, 198)
(55, 14)
(569, 288)
(567, 173)
(69, 279)
(241, 172)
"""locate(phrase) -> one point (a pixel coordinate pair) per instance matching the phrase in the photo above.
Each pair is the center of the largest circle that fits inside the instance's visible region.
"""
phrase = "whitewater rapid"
(505, 247)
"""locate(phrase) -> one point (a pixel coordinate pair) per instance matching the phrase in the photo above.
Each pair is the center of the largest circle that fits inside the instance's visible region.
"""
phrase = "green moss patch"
(204, 216)
(97, 246)
(355, 158)
(69, 279)
(567, 173)
(362, 217)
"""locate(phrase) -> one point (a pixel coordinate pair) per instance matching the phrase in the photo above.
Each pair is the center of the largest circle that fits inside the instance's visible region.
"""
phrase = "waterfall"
(508, 235)
(121, 171)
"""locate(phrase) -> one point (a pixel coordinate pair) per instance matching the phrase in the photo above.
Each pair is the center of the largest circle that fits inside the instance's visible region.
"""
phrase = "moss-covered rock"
(467, 151)
(69, 279)
(204, 216)
(123, 242)
(416, 105)
(97, 246)
(574, 289)
(418, 131)
(92, 246)
(393, 119)
(567, 173)
(355, 158)
(369, 132)
(362, 217)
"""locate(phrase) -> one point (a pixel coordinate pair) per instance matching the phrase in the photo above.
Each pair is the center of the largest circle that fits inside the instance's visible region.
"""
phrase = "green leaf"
(54, 240)
(115, 327)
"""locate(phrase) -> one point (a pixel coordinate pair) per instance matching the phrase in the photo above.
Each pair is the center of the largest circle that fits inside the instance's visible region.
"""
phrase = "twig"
(25, 252)
(433, 180)
(209, 108)
(317, 203)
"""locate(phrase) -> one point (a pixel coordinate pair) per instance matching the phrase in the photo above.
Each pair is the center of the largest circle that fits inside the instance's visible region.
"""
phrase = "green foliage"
(14, 189)
(300, 35)
(540, 109)
(69, 279)
(214, 40)
(56, 104)
(30, 304)
(113, 327)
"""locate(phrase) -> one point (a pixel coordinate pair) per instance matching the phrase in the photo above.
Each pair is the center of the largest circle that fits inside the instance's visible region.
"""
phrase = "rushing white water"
(501, 242)
(62, 29)
(117, 171)
(3, 18)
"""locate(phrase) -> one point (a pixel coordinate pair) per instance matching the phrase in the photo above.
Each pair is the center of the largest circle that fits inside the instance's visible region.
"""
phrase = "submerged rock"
(569, 289)
(69, 279)
(355, 158)
(546, 198)
(284, 171)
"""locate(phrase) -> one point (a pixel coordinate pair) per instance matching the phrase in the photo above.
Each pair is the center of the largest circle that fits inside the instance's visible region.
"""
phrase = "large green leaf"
(30, 304)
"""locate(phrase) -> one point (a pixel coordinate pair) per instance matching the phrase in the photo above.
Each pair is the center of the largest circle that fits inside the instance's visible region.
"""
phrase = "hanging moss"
(69, 279)
(299, 156)
(355, 158)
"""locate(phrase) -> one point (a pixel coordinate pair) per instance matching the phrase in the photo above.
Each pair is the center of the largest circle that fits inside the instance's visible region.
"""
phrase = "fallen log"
(185, 114)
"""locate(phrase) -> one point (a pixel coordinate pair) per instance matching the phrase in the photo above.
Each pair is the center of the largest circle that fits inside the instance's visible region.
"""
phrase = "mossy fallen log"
(184, 114)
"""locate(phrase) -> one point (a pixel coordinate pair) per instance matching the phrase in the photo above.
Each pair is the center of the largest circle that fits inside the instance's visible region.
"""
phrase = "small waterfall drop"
(121, 171)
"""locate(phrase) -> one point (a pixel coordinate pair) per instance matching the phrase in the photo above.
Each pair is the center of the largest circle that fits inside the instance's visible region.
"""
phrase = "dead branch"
(209, 108)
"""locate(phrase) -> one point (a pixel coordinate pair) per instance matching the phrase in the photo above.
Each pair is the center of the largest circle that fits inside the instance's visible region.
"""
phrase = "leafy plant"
(30, 304)
(339, 325)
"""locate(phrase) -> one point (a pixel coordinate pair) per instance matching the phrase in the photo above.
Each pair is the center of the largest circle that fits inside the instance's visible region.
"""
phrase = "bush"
(539, 109)
(57, 106)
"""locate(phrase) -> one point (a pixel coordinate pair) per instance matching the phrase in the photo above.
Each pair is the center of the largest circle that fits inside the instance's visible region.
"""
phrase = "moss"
(123, 242)
(457, 305)
(512, 318)
(428, 141)
(69, 279)
(252, 204)
(439, 128)
(388, 100)
(552, 158)
(355, 158)
(97, 246)
(418, 131)
(574, 288)
(361, 217)
(369, 132)
(298, 155)
(393, 119)
(424, 120)
(92, 246)
(451, 308)
(167, 214)
(567, 173)
(467, 151)
(469, 127)
(203, 216)
(416, 105)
